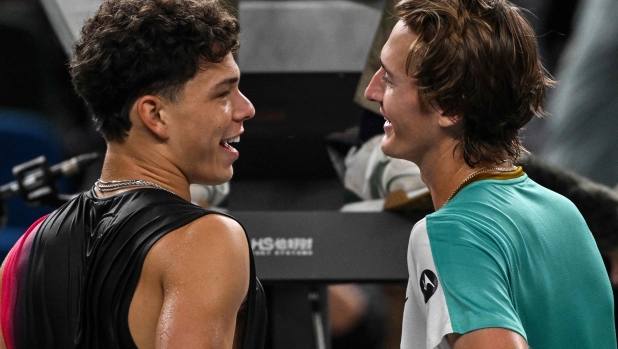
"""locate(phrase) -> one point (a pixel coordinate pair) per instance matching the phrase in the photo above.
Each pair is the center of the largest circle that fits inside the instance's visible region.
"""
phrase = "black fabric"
(85, 264)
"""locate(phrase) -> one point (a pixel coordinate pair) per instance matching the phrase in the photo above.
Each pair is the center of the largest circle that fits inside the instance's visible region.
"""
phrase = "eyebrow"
(386, 69)
(229, 81)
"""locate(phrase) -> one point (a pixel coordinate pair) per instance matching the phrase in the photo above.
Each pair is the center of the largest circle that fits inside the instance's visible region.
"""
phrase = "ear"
(150, 110)
(445, 120)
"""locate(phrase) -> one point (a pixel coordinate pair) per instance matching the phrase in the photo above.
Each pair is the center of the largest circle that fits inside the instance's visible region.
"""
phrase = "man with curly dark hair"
(132, 263)
(502, 262)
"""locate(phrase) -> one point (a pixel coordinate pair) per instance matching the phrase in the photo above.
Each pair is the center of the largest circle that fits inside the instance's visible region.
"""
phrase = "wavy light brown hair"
(130, 48)
(478, 59)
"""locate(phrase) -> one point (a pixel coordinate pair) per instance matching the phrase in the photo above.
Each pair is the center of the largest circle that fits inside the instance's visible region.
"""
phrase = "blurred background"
(301, 63)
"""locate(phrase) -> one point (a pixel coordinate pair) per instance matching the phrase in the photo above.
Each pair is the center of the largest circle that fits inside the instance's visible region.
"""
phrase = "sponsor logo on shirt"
(428, 283)
(271, 246)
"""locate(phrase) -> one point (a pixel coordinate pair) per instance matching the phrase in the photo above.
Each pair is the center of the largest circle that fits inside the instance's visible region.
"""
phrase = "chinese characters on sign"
(269, 246)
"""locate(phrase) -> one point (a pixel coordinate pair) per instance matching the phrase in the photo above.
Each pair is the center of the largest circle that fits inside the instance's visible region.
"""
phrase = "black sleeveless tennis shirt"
(84, 265)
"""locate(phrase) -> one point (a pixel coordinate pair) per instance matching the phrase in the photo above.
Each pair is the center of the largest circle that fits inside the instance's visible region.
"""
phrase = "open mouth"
(386, 121)
(226, 142)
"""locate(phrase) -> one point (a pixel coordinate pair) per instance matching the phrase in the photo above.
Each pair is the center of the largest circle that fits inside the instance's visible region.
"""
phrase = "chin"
(387, 147)
(214, 179)
(391, 149)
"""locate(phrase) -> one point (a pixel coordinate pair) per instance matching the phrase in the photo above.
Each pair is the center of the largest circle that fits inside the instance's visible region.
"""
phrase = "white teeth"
(232, 140)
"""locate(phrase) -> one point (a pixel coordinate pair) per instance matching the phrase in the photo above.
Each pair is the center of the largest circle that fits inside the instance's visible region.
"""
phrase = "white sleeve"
(426, 319)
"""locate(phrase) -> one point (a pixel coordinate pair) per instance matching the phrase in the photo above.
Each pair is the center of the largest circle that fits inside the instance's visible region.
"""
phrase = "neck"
(445, 177)
(123, 164)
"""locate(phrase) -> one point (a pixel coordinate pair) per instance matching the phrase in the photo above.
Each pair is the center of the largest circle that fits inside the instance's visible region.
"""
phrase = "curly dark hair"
(478, 58)
(130, 48)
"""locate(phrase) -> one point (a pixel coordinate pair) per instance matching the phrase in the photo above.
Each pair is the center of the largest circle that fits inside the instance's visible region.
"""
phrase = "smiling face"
(410, 125)
(208, 115)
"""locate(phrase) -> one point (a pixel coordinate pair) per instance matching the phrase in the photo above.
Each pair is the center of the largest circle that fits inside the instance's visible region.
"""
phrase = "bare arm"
(346, 305)
(488, 338)
(205, 280)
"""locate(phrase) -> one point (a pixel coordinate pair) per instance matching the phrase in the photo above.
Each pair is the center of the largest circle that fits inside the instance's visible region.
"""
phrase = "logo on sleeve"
(429, 283)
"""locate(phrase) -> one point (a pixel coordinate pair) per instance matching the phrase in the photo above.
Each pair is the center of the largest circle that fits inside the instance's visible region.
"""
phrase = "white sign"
(270, 246)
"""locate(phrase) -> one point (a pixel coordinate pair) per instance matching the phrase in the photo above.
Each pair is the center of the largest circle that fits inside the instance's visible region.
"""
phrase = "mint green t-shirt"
(507, 253)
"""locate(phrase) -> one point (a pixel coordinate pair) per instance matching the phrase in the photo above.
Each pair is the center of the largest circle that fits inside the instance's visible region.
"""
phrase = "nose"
(245, 111)
(375, 89)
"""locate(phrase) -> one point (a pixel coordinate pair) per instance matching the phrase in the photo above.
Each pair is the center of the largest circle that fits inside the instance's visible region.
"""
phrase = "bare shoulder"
(193, 282)
(213, 241)
(210, 232)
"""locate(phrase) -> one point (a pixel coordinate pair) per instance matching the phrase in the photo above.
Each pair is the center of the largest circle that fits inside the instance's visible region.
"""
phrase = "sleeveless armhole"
(87, 304)
(255, 327)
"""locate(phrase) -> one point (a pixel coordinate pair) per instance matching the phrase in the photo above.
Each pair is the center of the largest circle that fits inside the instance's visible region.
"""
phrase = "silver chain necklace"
(105, 187)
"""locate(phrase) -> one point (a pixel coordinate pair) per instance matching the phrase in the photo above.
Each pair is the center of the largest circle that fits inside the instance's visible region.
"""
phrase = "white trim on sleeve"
(426, 320)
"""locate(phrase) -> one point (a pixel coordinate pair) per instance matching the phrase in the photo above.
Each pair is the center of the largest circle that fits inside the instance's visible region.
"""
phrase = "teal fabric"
(512, 254)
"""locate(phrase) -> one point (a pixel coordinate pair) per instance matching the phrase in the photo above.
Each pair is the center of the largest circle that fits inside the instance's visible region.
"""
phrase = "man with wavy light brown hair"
(132, 263)
(503, 262)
